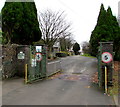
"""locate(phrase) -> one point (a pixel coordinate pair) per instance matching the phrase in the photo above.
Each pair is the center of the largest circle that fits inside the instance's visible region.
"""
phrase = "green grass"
(114, 90)
(88, 55)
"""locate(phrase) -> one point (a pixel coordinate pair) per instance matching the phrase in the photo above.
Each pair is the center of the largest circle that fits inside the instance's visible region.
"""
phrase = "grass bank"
(88, 55)
(114, 90)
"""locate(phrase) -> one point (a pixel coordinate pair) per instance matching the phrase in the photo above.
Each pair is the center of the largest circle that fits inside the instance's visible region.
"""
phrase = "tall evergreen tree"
(106, 29)
(102, 16)
(19, 22)
(76, 48)
(98, 32)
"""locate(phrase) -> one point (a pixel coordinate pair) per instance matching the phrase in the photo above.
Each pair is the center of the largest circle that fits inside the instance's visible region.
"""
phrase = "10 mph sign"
(106, 57)
(38, 56)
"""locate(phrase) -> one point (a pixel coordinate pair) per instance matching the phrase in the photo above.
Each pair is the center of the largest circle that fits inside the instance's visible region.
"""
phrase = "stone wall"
(8, 60)
(11, 65)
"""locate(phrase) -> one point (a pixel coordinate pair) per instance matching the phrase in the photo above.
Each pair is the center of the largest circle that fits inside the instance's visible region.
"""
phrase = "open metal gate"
(35, 69)
(32, 63)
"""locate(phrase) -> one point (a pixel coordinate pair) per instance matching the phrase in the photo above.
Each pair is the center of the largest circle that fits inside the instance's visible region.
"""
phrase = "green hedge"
(62, 54)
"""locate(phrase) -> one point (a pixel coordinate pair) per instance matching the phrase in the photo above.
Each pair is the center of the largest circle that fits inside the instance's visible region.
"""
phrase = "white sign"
(38, 56)
(106, 57)
(38, 48)
(33, 62)
(21, 55)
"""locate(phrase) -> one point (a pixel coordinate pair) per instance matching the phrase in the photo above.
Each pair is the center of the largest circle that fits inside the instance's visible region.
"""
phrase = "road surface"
(72, 87)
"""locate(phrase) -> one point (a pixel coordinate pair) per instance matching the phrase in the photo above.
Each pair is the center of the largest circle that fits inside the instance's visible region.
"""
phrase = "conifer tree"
(106, 30)
(76, 48)
(19, 22)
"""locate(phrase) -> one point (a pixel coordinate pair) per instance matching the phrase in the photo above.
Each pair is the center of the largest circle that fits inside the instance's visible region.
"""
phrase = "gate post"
(105, 59)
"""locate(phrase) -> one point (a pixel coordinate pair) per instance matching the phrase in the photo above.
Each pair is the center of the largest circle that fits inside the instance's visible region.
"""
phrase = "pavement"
(115, 98)
(71, 87)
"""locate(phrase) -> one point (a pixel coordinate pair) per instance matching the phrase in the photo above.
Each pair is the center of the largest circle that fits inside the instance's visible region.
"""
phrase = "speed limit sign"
(106, 57)
(38, 56)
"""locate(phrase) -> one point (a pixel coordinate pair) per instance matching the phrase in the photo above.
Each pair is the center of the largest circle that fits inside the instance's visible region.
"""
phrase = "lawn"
(88, 55)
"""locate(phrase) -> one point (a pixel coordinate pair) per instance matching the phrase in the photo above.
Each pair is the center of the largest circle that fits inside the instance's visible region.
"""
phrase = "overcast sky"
(82, 14)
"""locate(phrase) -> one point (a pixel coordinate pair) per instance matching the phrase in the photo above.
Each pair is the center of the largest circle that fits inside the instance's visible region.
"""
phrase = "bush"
(61, 54)
(49, 57)
(88, 55)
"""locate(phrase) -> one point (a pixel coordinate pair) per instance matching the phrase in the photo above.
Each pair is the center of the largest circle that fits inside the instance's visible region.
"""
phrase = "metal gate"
(35, 69)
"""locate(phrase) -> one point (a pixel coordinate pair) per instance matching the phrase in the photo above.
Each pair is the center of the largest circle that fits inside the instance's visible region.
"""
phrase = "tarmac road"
(72, 87)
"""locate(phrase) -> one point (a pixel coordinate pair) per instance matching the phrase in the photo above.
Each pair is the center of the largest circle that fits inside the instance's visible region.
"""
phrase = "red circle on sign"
(38, 56)
(109, 56)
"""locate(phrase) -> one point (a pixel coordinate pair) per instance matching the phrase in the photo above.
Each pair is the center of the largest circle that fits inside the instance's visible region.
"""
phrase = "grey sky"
(82, 13)
(119, 13)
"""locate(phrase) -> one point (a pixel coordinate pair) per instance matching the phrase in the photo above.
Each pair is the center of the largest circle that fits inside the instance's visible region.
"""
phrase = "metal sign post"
(26, 73)
(106, 80)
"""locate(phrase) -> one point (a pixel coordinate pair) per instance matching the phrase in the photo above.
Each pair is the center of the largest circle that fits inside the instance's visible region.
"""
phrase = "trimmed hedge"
(62, 54)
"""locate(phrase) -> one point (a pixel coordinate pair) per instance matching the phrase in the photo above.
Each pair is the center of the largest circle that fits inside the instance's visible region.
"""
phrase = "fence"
(53, 67)
(37, 63)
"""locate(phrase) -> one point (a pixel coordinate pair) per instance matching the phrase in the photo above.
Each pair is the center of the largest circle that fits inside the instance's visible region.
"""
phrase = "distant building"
(56, 48)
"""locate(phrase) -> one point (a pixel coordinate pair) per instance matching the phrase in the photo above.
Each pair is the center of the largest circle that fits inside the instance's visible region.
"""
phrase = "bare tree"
(66, 43)
(53, 26)
(86, 47)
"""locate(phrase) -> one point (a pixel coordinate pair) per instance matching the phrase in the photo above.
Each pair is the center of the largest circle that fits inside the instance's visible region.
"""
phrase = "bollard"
(26, 78)
(105, 79)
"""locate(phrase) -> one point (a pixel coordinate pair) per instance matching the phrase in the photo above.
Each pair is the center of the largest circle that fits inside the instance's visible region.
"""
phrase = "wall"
(11, 65)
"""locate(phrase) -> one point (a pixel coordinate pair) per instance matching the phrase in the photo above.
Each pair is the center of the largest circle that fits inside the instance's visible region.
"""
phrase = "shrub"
(61, 54)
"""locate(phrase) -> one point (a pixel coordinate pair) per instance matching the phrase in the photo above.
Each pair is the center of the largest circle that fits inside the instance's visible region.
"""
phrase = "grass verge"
(114, 89)
(88, 55)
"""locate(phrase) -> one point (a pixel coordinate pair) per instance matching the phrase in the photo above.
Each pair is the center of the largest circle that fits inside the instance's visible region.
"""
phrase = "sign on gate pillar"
(38, 57)
(21, 55)
(38, 48)
(106, 57)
